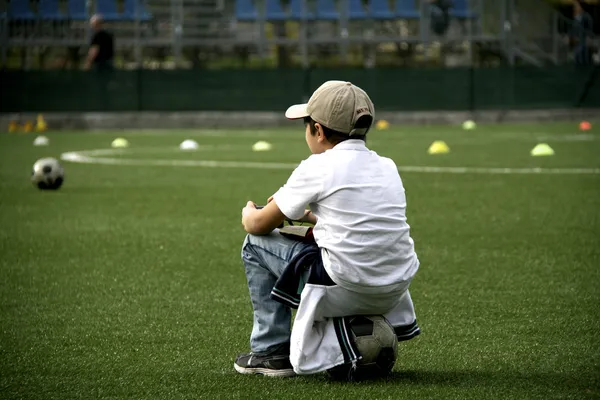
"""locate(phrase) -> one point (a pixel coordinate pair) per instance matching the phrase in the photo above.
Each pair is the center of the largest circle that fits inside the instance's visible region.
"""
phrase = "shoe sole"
(281, 373)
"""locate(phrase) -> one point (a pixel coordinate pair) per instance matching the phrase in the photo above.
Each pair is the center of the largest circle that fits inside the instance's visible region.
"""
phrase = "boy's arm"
(302, 188)
(263, 221)
(307, 217)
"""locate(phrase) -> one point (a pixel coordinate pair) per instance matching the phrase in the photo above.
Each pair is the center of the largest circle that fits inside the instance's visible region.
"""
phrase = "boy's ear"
(319, 132)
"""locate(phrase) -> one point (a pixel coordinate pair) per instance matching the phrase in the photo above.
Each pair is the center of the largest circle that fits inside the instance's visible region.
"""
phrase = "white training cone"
(261, 145)
(41, 141)
(188, 145)
(119, 143)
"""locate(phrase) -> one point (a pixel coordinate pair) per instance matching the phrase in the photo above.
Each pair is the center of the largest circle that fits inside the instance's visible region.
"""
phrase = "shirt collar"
(351, 144)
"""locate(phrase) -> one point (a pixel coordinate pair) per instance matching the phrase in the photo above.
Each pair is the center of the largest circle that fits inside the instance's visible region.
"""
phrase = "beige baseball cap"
(337, 105)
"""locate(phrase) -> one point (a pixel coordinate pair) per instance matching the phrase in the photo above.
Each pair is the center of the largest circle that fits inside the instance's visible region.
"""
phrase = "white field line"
(574, 137)
(500, 170)
(89, 157)
(79, 157)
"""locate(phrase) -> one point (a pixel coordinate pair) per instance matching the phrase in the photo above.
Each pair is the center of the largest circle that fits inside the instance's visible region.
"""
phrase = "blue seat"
(49, 10)
(379, 9)
(275, 11)
(108, 10)
(130, 9)
(20, 10)
(356, 10)
(326, 10)
(296, 10)
(461, 10)
(405, 9)
(245, 10)
(77, 10)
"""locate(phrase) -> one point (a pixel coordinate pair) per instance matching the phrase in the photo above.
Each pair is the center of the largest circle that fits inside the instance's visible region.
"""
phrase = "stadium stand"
(356, 10)
(379, 9)
(275, 12)
(108, 10)
(136, 10)
(49, 10)
(181, 32)
(326, 11)
(298, 11)
(77, 10)
(406, 9)
(20, 10)
(460, 9)
(245, 10)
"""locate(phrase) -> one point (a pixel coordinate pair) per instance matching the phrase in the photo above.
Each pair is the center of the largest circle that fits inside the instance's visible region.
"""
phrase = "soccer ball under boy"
(377, 343)
(47, 174)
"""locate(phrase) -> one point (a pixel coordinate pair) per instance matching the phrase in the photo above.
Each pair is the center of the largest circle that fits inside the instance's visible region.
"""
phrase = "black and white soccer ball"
(47, 174)
(377, 343)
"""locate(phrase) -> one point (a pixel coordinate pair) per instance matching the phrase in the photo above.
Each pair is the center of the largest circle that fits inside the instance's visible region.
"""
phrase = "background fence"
(268, 90)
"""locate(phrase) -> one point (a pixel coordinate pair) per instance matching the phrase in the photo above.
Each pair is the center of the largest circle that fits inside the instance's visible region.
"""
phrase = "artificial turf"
(127, 282)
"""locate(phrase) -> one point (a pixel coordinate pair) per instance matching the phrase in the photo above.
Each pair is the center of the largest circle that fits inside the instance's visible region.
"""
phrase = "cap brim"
(297, 111)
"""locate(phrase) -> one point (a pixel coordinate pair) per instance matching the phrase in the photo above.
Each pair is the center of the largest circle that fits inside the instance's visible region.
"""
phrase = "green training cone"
(542, 149)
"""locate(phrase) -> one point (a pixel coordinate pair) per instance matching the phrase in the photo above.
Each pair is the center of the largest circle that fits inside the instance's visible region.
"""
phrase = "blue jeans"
(265, 258)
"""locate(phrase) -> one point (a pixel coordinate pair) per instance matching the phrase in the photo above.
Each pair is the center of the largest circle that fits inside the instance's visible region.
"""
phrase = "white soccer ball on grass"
(47, 174)
(377, 343)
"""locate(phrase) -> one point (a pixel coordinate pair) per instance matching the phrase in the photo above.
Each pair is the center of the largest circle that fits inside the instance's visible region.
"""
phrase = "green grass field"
(127, 282)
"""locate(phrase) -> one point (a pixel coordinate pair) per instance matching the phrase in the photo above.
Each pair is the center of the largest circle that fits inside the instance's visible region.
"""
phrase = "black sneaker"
(269, 365)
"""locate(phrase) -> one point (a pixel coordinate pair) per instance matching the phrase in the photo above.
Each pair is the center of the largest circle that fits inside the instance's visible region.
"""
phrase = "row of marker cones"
(40, 125)
(470, 125)
(541, 149)
(192, 145)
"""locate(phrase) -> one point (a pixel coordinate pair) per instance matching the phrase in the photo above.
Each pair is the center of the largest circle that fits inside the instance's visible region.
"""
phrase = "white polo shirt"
(359, 200)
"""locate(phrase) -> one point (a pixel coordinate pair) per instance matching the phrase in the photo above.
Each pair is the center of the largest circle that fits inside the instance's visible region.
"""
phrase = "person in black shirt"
(100, 56)
(440, 15)
(101, 50)
(581, 31)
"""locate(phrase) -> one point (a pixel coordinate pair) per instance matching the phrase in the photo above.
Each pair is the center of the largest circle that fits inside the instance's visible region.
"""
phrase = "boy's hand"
(261, 221)
(246, 212)
(305, 216)
(308, 217)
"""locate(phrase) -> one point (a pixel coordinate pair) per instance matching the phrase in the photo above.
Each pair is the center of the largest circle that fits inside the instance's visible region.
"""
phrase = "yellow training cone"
(28, 126)
(261, 145)
(438, 147)
(542, 149)
(13, 126)
(119, 143)
(382, 124)
(40, 124)
(469, 125)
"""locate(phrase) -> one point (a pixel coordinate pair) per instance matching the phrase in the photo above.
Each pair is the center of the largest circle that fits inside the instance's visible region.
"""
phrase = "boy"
(362, 262)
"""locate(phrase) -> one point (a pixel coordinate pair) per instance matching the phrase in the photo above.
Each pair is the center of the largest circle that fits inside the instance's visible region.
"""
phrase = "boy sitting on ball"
(362, 259)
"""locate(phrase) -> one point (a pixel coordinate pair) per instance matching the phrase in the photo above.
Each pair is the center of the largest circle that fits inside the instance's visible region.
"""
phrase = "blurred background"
(186, 55)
